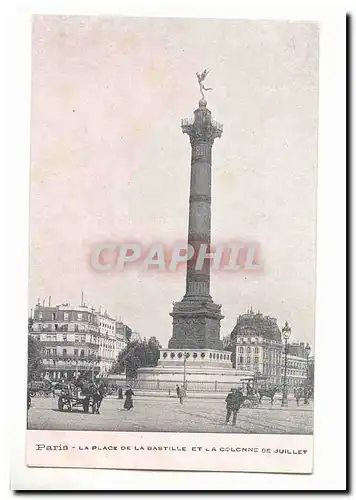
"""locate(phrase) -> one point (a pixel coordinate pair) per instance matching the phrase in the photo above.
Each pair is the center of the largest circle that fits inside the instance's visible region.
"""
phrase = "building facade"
(296, 374)
(257, 346)
(123, 335)
(76, 340)
(108, 345)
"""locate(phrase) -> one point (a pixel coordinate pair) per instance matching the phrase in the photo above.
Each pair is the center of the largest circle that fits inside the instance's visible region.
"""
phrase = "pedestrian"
(233, 403)
(179, 394)
(297, 395)
(128, 401)
(119, 392)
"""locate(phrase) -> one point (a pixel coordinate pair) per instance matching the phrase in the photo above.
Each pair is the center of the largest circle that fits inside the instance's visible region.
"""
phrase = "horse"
(97, 394)
(94, 392)
(268, 393)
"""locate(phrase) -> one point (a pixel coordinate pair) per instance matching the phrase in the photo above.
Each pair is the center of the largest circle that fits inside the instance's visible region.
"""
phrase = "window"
(249, 349)
(56, 327)
(66, 316)
(256, 350)
(82, 338)
(48, 353)
(241, 349)
(75, 352)
(76, 329)
(65, 353)
(54, 352)
(248, 360)
(241, 360)
(65, 338)
(80, 316)
(53, 316)
(256, 359)
(82, 353)
(76, 338)
(39, 315)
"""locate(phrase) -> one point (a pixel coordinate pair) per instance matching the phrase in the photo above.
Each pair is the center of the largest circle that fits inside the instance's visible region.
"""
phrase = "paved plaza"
(157, 414)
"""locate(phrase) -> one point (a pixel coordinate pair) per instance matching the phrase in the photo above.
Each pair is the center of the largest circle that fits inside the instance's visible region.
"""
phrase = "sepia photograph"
(172, 225)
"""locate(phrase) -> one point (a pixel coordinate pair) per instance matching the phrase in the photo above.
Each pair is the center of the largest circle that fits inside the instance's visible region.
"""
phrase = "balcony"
(71, 366)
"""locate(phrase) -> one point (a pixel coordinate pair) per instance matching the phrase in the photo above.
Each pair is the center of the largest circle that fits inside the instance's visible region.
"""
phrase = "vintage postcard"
(172, 244)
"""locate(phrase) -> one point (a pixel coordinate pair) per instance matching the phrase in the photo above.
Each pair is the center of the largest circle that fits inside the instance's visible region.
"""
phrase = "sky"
(109, 161)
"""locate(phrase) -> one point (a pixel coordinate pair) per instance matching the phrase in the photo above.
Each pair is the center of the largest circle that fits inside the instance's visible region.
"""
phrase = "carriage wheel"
(32, 394)
(60, 404)
(247, 403)
(40, 393)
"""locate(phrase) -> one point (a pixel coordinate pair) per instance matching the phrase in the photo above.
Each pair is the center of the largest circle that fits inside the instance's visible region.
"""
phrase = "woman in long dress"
(128, 401)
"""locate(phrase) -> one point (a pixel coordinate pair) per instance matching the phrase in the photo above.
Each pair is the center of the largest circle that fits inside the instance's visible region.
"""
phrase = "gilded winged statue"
(201, 77)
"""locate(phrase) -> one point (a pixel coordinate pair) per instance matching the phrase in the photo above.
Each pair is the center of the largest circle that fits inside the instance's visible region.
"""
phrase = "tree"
(34, 363)
(30, 325)
(136, 355)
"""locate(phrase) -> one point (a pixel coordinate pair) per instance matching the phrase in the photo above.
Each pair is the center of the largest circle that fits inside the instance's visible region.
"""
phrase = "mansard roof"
(258, 325)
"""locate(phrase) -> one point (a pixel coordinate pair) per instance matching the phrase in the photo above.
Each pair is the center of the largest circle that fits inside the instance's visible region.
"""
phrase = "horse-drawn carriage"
(255, 391)
(86, 396)
(251, 401)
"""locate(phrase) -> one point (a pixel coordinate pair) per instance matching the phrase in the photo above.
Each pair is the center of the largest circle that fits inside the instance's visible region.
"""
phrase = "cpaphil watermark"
(108, 257)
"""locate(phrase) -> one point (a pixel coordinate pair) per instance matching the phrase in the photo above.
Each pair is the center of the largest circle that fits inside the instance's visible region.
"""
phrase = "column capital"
(202, 129)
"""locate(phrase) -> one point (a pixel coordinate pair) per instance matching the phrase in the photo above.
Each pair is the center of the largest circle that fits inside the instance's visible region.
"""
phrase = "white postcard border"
(329, 421)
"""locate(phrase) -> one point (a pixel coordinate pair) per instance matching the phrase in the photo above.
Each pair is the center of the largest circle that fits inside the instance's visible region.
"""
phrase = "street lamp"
(286, 331)
(186, 355)
(306, 395)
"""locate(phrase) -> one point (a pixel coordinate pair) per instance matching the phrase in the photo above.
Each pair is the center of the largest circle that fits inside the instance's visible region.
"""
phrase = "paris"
(162, 297)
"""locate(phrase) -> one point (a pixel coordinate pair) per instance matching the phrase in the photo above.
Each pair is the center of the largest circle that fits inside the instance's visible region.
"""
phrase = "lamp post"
(186, 355)
(92, 368)
(286, 331)
(306, 395)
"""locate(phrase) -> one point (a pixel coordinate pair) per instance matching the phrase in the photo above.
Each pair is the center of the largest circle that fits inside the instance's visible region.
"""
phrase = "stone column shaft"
(196, 319)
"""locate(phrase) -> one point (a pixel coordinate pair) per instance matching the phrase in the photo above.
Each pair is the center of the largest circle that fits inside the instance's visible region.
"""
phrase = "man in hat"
(233, 403)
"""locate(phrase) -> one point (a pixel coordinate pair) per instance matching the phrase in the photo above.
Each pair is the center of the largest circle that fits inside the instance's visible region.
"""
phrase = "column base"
(196, 324)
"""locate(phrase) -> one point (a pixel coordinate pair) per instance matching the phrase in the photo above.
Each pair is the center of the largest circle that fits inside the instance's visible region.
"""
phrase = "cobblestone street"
(157, 414)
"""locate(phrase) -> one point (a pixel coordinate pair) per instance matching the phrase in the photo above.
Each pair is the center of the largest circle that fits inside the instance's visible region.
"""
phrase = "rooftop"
(258, 325)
